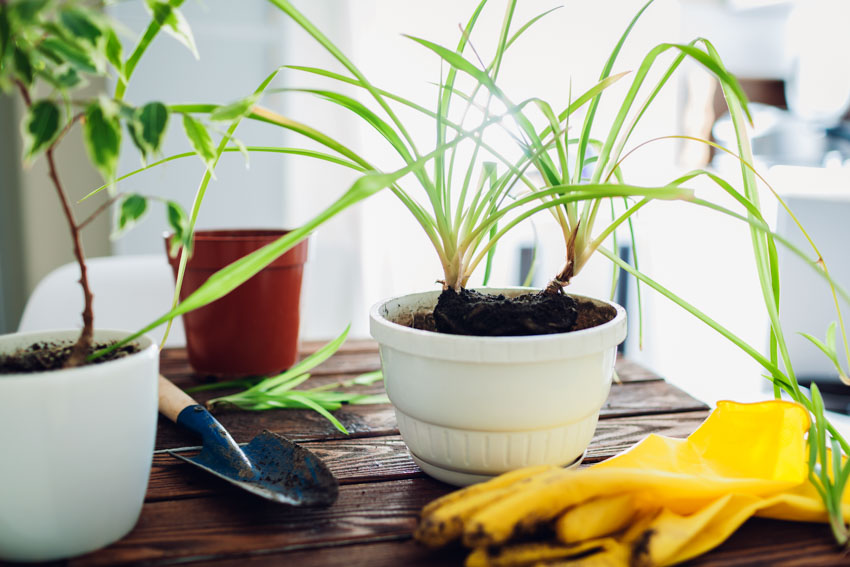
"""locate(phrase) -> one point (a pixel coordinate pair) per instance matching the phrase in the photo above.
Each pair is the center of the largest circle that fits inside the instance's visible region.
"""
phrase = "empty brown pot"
(254, 329)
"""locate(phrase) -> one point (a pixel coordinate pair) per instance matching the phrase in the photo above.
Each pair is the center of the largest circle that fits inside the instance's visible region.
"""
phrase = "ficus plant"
(49, 51)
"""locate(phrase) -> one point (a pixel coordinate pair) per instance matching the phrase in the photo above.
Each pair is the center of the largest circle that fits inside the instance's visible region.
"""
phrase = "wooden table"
(191, 517)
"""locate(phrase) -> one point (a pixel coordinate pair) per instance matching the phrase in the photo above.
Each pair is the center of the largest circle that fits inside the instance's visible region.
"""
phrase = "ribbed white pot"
(77, 447)
(470, 408)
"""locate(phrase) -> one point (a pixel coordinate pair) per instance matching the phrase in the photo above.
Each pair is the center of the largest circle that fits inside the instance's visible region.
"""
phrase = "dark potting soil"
(44, 356)
(473, 313)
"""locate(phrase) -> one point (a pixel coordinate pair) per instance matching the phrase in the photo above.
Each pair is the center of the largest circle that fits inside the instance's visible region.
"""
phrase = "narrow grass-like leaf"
(151, 32)
(584, 138)
(234, 110)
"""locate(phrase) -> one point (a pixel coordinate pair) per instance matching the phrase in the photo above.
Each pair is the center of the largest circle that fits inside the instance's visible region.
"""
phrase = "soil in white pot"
(472, 313)
(44, 356)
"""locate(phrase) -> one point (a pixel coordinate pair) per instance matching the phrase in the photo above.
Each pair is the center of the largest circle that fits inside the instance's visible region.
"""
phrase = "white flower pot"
(470, 408)
(77, 446)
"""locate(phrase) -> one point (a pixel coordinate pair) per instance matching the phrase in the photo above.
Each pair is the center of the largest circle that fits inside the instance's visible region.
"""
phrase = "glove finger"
(596, 518)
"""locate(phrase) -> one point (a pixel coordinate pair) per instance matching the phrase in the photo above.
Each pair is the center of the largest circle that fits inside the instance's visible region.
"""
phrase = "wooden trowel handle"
(172, 400)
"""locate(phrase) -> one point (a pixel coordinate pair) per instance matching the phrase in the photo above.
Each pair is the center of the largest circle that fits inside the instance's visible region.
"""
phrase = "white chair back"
(129, 292)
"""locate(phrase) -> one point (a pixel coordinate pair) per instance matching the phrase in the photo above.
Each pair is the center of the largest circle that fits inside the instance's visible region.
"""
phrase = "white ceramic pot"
(470, 408)
(77, 446)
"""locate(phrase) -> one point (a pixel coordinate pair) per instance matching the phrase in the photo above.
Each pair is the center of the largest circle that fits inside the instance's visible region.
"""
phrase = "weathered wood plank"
(647, 398)
(353, 357)
(387, 458)
(405, 553)
(351, 461)
(756, 544)
(234, 524)
(350, 345)
(630, 371)
(778, 544)
(637, 398)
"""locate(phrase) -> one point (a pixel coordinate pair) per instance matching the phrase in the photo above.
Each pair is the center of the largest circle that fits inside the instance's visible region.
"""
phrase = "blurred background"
(791, 57)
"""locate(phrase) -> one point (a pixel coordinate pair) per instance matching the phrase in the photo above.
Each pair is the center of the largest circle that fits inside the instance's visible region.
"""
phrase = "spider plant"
(458, 209)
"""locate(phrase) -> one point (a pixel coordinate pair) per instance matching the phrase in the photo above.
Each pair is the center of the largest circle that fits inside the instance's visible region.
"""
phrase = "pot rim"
(216, 248)
(208, 234)
(463, 348)
(146, 347)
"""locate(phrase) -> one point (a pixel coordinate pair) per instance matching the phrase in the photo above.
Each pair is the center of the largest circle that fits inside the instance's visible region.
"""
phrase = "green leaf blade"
(200, 140)
(41, 127)
(102, 136)
(80, 24)
(5, 32)
(132, 209)
(234, 110)
(154, 121)
(174, 24)
(23, 66)
(60, 49)
(179, 223)
(114, 52)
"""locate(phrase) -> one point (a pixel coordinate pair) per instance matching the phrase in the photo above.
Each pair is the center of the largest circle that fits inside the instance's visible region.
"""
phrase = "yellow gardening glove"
(662, 502)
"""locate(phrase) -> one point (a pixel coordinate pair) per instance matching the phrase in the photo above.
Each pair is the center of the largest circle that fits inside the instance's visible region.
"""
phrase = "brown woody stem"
(98, 211)
(82, 347)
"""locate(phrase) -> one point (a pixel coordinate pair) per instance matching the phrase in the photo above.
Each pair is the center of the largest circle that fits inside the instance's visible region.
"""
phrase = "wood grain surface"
(190, 517)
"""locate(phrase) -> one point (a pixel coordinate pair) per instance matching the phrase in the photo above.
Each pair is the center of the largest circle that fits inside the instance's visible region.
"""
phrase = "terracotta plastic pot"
(254, 329)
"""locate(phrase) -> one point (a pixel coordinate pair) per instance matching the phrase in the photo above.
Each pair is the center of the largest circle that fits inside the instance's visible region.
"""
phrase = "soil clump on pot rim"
(477, 314)
(45, 356)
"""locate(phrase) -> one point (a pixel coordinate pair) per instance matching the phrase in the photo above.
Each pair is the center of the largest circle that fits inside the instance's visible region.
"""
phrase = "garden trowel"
(269, 466)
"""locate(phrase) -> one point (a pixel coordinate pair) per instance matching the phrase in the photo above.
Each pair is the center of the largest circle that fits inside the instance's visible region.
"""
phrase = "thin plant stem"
(99, 210)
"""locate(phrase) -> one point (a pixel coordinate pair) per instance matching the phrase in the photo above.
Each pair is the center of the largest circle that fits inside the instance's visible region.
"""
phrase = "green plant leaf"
(80, 24)
(134, 127)
(153, 118)
(200, 139)
(174, 23)
(61, 50)
(132, 208)
(27, 11)
(113, 51)
(234, 110)
(41, 126)
(102, 135)
(62, 76)
(179, 223)
(23, 66)
(5, 32)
